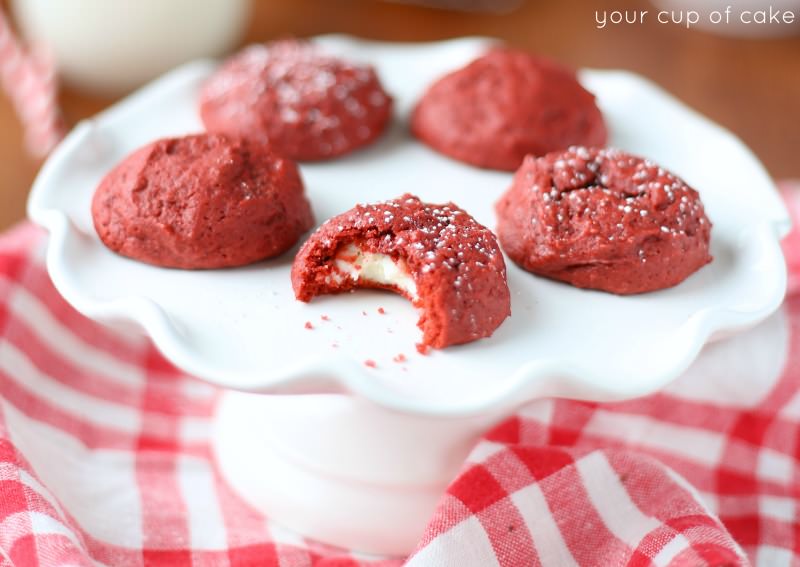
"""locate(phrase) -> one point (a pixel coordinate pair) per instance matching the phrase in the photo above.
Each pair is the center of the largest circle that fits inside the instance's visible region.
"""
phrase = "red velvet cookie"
(307, 105)
(603, 219)
(437, 256)
(504, 106)
(202, 201)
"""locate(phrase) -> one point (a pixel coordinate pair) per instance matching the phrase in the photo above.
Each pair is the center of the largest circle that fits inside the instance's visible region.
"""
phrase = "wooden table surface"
(750, 86)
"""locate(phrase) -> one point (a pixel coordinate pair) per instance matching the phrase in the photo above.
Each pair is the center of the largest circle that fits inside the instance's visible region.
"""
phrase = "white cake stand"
(348, 472)
(362, 461)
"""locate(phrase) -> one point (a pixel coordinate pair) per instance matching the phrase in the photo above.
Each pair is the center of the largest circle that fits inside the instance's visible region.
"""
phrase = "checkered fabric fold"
(104, 458)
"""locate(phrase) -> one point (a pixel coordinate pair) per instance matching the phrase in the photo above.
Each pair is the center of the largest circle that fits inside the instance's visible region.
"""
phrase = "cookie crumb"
(400, 358)
(381, 310)
(309, 326)
(422, 349)
(325, 318)
(370, 363)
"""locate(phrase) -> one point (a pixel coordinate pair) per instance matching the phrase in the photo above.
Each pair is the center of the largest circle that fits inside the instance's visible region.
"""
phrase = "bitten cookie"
(437, 256)
(603, 219)
(505, 105)
(306, 104)
(201, 201)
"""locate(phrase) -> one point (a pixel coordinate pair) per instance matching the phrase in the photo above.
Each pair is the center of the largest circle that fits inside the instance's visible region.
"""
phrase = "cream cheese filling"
(351, 261)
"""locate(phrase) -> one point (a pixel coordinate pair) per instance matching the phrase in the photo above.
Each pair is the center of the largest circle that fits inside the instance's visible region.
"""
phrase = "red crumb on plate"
(400, 358)
(308, 325)
(371, 363)
(325, 318)
(381, 310)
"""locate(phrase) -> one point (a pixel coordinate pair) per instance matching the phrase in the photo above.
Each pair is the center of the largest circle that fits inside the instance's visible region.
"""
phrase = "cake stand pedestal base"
(339, 469)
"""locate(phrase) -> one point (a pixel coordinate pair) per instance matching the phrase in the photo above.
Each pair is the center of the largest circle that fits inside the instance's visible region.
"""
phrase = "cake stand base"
(339, 469)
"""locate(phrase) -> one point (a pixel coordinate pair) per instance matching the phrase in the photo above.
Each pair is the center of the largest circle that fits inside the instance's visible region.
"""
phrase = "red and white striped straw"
(29, 79)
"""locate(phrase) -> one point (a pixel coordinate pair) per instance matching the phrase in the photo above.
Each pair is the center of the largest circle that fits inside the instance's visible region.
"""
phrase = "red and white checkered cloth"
(28, 78)
(104, 458)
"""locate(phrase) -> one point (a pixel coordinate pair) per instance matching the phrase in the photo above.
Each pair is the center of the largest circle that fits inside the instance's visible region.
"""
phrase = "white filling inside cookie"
(375, 268)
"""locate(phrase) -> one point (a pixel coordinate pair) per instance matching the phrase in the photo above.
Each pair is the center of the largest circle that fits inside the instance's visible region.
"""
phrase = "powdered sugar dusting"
(587, 188)
(293, 86)
(438, 238)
